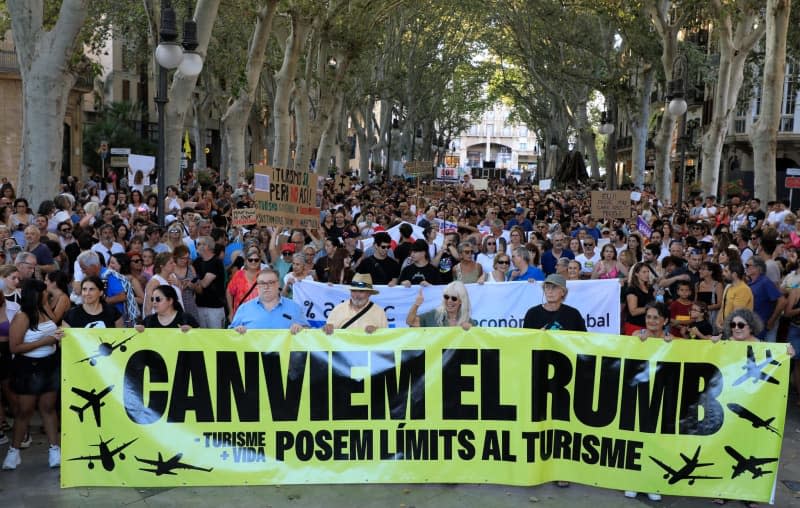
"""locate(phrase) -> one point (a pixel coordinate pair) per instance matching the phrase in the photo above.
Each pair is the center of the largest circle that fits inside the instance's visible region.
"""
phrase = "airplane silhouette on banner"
(162, 467)
(685, 472)
(92, 400)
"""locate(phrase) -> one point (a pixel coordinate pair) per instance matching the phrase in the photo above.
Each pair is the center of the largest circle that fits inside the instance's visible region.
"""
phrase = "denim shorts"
(35, 376)
(794, 339)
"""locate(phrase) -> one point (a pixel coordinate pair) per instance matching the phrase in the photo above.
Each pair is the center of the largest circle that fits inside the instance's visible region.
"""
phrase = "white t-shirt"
(588, 264)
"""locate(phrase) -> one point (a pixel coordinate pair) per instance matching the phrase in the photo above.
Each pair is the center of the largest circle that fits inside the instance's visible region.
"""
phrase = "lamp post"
(606, 129)
(677, 107)
(169, 55)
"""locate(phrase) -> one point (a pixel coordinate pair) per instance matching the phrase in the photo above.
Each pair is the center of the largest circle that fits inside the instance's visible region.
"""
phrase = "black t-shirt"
(754, 217)
(181, 318)
(417, 274)
(77, 317)
(381, 270)
(703, 327)
(214, 295)
(446, 264)
(642, 300)
(565, 318)
(402, 251)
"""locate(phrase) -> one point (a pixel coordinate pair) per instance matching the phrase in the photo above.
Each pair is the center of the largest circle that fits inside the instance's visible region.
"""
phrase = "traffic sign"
(792, 182)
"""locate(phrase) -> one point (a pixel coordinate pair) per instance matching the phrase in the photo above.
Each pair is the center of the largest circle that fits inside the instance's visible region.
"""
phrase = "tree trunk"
(46, 83)
(180, 93)
(639, 125)
(284, 80)
(764, 132)
(734, 46)
(328, 141)
(235, 119)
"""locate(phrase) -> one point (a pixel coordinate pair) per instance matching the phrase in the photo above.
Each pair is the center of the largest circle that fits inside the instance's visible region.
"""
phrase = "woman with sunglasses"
(94, 312)
(453, 311)
(467, 270)
(242, 286)
(499, 271)
(168, 312)
(20, 219)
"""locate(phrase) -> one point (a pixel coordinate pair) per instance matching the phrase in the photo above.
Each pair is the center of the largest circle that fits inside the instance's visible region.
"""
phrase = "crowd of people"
(96, 256)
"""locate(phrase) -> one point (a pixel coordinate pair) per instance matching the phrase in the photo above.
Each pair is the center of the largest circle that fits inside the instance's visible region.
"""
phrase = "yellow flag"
(186, 146)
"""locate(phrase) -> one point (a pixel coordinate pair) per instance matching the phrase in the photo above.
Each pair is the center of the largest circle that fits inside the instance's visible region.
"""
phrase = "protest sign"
(286, 198)
(611, 204)
(243, 217)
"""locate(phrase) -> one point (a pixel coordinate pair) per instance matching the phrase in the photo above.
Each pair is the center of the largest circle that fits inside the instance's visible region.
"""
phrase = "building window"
(489, 129)
(523, 146)
(789, 99)
(473, 130)
(507, 131)
(523, 132)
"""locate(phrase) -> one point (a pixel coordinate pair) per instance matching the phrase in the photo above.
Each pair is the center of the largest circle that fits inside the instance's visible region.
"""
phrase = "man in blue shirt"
(768, 300)
(550, 257)
(270, 310)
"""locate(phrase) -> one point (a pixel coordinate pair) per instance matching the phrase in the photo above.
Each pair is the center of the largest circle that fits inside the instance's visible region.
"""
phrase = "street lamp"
(606, 126)
(677, 107)
(169, 55)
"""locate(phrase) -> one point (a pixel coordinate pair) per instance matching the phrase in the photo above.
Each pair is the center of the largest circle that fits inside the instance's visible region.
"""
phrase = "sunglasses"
(136, 260)
(66, 230)
(254, 260)
(451, 298)
(156, 299)
(287, 253)
(738, 324)
(384, 246)
(502, 262)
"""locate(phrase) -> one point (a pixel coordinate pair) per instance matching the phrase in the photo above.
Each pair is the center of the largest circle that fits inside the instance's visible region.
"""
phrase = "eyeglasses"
(253, 260)
(384, 246)
(173, 231)
(66, 230)
(287, 253)
(505, 262)
(267, 283)
(588, 245)
(156, 299)
(450, 297)
(738, 324)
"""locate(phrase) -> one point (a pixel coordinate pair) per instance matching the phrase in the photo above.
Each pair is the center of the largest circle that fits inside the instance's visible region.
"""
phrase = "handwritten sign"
(243, 217)
(611, 204)
(291, 201)
(447, 174)
(420, 168)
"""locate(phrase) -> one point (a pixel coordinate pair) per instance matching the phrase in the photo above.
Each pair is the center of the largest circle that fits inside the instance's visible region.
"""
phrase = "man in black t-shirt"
(554, 314)
(210, 285)
(382, 268)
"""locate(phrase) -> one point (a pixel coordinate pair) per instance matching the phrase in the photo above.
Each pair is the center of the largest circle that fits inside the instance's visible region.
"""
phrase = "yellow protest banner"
(506, 406)
(286, 198)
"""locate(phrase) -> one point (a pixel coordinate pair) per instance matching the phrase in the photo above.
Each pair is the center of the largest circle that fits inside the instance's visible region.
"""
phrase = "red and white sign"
(792, 182)
(447, 173)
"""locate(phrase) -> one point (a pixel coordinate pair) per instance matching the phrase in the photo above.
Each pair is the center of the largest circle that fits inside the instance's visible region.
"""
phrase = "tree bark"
(638, 121)
(284, 79)
(180, 92)
(46, 83)
(734, 46)
(235, 119)
(764, 131)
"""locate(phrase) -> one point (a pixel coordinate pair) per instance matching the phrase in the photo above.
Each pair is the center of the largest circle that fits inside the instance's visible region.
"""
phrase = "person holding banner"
(523, 270)
(270, 310)
(453, 311)
(358, 312)
(499, 272)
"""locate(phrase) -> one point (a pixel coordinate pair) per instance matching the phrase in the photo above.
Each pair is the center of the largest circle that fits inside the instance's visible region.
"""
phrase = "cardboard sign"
(480, 183)
(420, 168)
(243, 217)
(546, 184)
(611, 204)
(292, 200)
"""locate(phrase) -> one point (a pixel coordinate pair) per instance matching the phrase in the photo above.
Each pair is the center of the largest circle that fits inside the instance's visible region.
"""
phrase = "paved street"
(35, 485)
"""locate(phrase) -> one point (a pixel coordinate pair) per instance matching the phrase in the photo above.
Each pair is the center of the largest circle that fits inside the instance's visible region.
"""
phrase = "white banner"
(493, 305)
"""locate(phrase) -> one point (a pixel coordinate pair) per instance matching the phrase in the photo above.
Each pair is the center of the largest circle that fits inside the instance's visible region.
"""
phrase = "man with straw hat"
(358, 313)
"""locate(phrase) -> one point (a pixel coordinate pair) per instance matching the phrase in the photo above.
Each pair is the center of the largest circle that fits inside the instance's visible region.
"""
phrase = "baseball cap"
(556, 280)
(288, 247)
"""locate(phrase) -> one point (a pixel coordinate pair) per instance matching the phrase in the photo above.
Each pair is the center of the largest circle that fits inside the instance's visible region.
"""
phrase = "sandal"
(718, 501)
